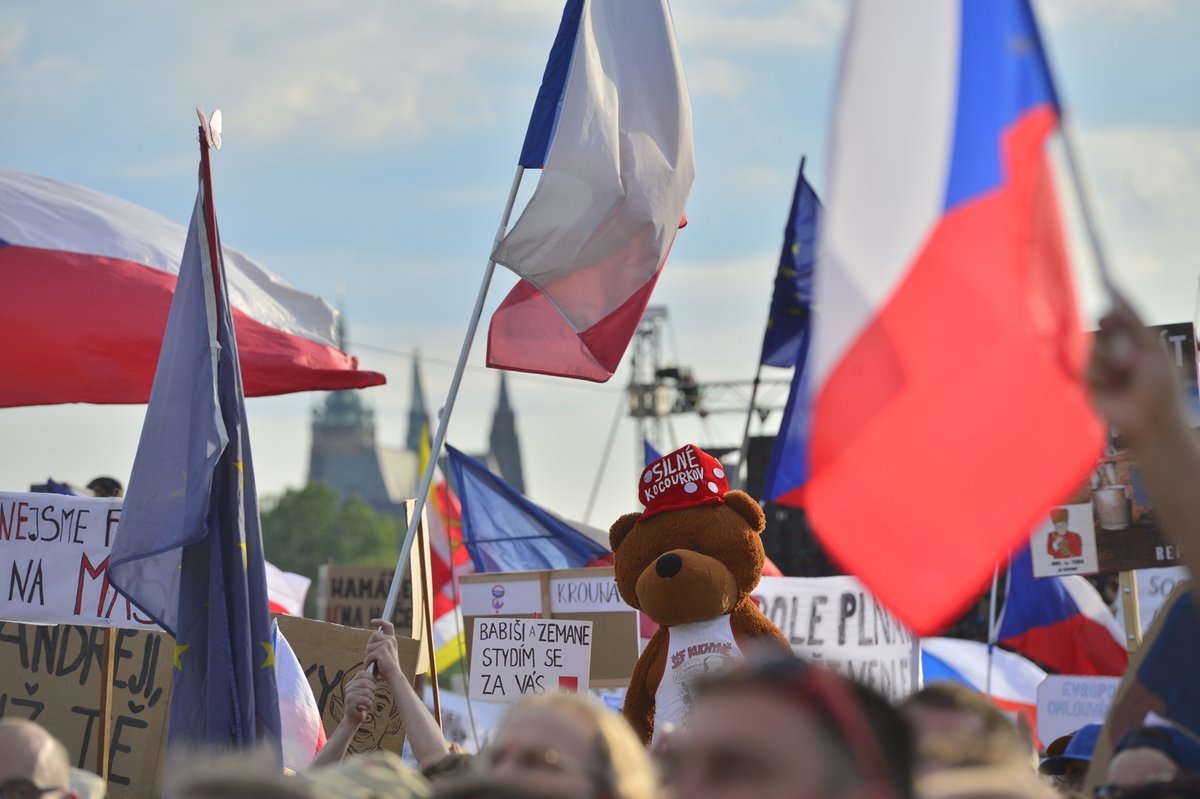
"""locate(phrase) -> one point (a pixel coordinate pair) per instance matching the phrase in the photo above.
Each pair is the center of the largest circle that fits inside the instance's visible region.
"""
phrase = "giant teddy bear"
(689, 562)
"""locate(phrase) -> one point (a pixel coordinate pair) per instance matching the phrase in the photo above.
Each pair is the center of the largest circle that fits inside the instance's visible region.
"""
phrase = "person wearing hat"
(1166, 756)
(1067, 759)
(1062, 543)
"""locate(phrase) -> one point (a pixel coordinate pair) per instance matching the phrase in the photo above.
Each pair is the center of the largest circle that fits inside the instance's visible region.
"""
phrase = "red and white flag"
(88, 280)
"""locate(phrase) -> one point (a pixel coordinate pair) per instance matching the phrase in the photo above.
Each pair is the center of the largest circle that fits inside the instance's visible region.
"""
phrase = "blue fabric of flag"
(549, 97)
(934, 670)
(503, 531)
(189, 548)
(55, 487)
(785, 344)
(649, 453)
(787, 471)
(1000, 47)
(1031, 602)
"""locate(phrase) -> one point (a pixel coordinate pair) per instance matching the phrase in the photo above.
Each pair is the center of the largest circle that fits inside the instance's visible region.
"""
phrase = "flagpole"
(992, 628)
(744, 452)
(608, 445)
(439, 438)
(1085, 210)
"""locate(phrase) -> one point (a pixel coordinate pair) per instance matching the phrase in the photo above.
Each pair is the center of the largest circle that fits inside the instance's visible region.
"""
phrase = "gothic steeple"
(418, 416)
(505, 449)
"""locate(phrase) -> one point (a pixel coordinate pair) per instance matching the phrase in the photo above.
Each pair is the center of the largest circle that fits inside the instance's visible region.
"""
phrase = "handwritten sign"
(1066, 702)
(836, 622)
(586, 594)
(53, 674)
(501, 594)
(54, 562)
(519, 657)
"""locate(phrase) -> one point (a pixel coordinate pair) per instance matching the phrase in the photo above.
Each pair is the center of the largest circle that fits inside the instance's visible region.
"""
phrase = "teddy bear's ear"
(747, 508)
(621, 528)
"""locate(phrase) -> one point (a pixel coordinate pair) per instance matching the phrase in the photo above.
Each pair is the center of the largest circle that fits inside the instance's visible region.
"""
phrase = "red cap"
(1058, 515)
(686, 478)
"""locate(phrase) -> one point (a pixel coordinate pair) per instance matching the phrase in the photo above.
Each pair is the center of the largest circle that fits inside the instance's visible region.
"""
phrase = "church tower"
(505, 449)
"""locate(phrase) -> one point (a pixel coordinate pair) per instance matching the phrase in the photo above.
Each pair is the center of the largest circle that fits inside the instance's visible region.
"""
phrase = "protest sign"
(521, 657)
(54, 561)
(1113, 525)
(353, 595)
(1160, 679)
(1153, 588)
(837, 623)
(1066, 702)
(331, 655)
(53, 675)
(587, 594)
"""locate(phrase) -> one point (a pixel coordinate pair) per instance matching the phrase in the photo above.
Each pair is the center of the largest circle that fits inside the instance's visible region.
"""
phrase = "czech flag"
(949, 409)
(612, 133)
(88, 280)
(1061, 622)
(1014, 679)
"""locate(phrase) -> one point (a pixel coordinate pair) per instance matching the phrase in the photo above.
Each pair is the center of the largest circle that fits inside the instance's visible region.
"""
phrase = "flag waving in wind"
(189, 549)
(948, 400)
(612, 132)
(88, 280)
(785, 344)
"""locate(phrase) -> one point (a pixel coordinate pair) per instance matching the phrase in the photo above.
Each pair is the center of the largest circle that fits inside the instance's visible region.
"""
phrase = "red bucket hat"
(686, 478)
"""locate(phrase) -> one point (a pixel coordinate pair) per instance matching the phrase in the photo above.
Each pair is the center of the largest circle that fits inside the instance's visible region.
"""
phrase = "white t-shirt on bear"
(693, 651)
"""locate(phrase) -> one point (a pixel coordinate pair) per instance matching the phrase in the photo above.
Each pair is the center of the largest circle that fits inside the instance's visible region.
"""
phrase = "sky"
(369, 147)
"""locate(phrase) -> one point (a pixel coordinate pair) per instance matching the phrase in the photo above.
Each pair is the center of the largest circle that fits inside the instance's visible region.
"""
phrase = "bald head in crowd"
(34, 756)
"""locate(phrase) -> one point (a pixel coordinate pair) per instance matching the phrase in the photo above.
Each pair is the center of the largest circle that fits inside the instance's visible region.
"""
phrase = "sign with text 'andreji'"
(54, 561)
(837, 623)
(581, 595)
(523, 657)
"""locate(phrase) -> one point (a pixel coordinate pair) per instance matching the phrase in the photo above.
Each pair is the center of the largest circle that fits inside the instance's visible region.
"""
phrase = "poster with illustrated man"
(1065, 542)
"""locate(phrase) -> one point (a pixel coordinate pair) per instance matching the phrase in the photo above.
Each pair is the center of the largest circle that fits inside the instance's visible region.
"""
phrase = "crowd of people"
(773, 727)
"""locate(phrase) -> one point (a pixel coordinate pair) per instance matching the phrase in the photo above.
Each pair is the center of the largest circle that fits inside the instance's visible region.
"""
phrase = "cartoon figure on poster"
(689, 562)
(1061, 542)
(1065, 542)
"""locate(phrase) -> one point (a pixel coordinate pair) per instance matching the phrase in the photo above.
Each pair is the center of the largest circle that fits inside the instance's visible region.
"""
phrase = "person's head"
(34, 764)
(1059, 517)
(1153, 756)
(570, 745)
(1067, 764)
(210, 774)
(780, 728)
(106, 487)
(956, 726)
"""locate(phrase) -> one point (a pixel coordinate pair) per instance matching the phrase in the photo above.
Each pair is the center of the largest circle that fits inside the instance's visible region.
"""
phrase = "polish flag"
(949, 409)
(88, 280)
(611, 131)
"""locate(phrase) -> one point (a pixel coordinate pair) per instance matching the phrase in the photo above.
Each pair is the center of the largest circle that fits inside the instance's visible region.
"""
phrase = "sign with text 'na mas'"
(837, 623)
(54, 562)
(522, 657)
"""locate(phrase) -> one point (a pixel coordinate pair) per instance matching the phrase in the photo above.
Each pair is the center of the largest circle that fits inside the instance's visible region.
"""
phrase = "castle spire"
(505, 448)
(418, 415)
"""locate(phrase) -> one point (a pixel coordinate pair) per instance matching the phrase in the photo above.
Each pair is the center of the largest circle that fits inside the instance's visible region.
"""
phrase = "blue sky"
(369, 146)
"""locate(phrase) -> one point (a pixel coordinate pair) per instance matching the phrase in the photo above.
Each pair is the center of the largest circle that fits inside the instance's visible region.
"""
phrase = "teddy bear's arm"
(754, 631)
(643, 685)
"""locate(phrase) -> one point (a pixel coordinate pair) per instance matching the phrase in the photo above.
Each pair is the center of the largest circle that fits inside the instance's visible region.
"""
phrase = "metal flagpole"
(992, 628)
(439, 438)
(743, 453)
(612, 435)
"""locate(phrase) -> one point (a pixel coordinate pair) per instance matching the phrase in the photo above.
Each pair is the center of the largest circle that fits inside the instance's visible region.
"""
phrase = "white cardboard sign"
(586, 595)
(1066, 702)
(512, 658)
(54, 562)
(502, 597)
(836, 622)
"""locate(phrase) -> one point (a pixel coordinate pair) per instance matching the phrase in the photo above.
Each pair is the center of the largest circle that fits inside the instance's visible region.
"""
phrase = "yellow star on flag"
(179, 650)
(270, 661)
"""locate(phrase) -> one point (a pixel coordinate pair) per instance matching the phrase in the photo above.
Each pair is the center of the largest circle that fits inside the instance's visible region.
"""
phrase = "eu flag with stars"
(785, 343)
(189, 550)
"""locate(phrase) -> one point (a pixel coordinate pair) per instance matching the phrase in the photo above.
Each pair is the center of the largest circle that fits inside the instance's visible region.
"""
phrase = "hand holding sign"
(381, 651)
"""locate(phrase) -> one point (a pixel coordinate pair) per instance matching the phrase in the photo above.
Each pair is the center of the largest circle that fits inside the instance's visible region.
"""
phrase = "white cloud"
(808, 25)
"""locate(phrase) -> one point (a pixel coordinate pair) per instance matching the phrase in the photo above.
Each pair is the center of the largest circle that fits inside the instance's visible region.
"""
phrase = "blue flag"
(503, 531)
(189, 549)
(649, 453)
(785, 343)
(787, 471)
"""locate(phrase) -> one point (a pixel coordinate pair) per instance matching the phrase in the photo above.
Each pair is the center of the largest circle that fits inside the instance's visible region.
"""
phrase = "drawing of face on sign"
(383, 719)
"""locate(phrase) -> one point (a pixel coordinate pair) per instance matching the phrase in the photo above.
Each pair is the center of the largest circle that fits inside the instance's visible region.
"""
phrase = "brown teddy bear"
(689, 562)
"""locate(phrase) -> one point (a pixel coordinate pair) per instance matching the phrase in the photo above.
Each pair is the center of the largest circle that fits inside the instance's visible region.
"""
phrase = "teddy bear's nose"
(668, 565)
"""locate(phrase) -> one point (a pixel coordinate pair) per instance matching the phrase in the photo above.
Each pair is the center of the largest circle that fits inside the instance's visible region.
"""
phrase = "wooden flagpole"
(104, 722)
(427, 623)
